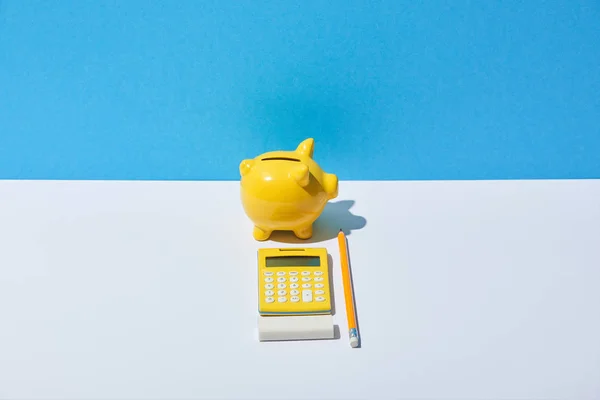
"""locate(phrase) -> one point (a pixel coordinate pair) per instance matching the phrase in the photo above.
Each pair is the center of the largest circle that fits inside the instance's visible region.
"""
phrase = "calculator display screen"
(293, 261)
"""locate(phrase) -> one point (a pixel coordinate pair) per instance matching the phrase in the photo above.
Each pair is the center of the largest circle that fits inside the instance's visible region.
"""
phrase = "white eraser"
(354, 342)
(305, 327)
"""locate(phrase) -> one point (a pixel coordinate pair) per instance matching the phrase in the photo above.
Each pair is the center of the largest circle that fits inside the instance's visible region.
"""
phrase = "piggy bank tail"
(330, 184)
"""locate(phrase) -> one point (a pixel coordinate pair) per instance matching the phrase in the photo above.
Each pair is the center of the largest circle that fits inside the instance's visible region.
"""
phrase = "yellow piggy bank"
(285, 191)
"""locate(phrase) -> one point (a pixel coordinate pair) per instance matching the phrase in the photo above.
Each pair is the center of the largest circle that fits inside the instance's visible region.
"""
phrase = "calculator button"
(268, 273)
(281, 273)
(282, 293)
(318, 273)
(293, 279)
(281, 279)
(295, 299)
(304, 273)
(269, 286)
(282, 299)
(318, 279)
(294, 286)
(306, 285)
(268, 279)
(269, 299)
(319, 285)
(305, 279)
(319, 292)
(293, 273)
(281, 286)
(269, 293)
(320, 298)
(307, 296)
(294, 292)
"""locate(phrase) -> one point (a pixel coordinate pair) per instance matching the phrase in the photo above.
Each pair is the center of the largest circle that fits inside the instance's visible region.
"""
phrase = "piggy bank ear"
(301, 175)
(246, 166)
(306, 148)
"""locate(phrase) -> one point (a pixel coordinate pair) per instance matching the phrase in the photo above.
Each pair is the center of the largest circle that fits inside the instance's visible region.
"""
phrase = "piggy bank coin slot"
(280, 159)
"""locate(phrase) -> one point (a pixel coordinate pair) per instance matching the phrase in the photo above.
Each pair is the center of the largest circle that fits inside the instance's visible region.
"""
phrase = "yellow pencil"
(348, 295)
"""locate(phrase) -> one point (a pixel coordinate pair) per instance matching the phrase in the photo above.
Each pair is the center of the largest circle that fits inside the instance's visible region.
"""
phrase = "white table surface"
(147, 290)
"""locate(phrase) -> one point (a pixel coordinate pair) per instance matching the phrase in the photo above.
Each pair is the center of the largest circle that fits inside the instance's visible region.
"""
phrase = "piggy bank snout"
(246, 167)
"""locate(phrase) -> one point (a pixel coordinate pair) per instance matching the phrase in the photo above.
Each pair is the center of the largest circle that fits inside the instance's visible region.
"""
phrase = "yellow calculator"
(293, 281)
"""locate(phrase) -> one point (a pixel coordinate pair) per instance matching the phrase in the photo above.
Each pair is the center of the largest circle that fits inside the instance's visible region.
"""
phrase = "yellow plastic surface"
(316, 273)
(285, 190)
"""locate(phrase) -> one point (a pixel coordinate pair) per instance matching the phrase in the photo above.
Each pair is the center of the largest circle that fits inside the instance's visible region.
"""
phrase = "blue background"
(389, 89)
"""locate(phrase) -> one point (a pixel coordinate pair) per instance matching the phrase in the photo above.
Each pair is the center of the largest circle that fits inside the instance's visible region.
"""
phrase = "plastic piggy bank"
(285, 190)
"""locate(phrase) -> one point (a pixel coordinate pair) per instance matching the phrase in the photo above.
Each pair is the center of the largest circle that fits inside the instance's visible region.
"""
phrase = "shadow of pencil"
(335, 216)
